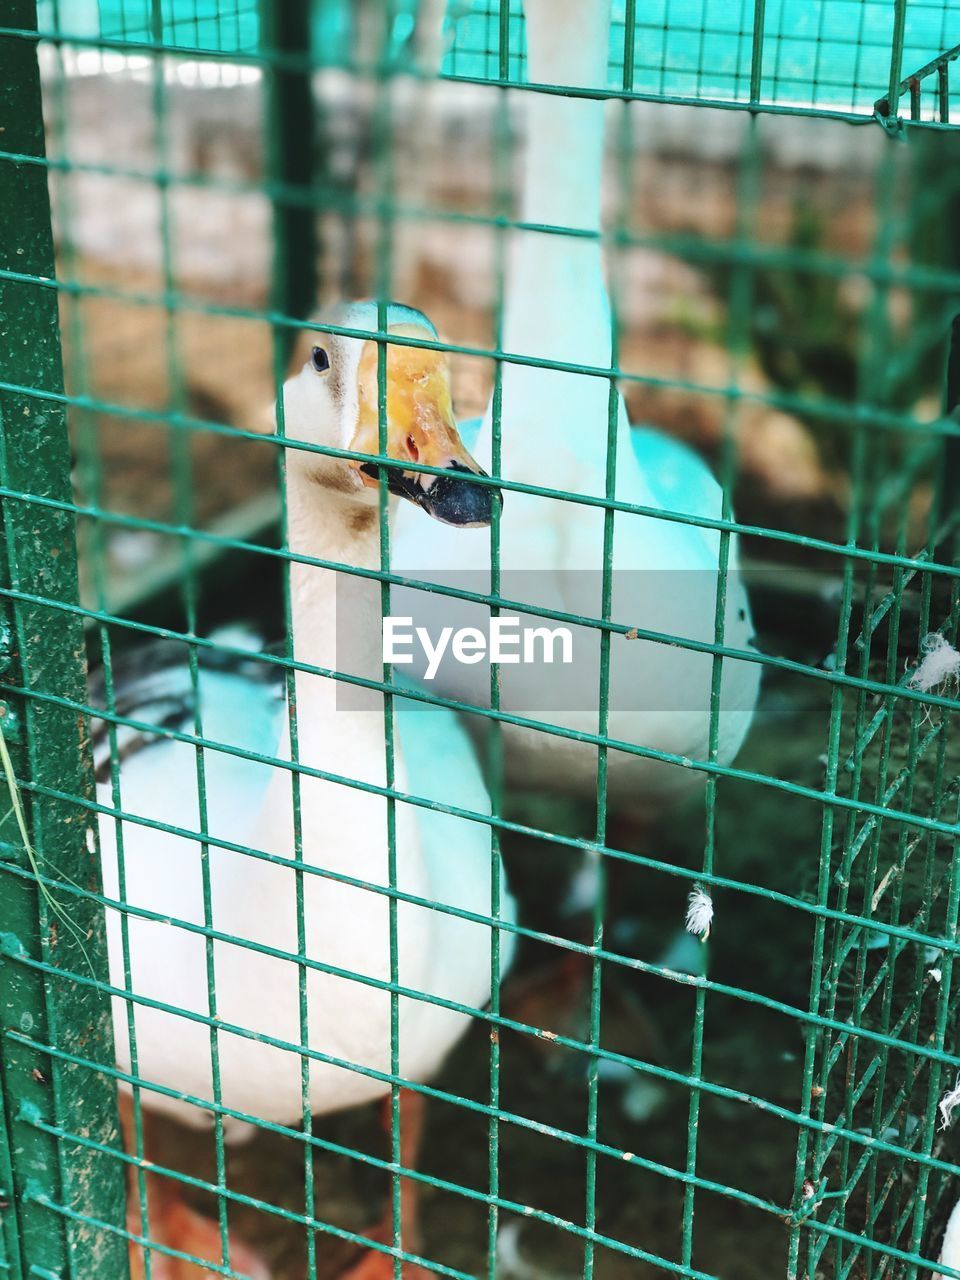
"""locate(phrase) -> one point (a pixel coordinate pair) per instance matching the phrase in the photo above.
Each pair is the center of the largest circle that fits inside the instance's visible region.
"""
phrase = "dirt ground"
(126, 349)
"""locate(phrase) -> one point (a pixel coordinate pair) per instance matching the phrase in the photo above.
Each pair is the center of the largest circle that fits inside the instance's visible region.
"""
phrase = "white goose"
(333, 515)
(554, 434)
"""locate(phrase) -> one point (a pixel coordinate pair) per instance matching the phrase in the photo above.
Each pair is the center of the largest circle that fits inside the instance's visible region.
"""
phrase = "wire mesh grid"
(782, 1113)
(833, 56)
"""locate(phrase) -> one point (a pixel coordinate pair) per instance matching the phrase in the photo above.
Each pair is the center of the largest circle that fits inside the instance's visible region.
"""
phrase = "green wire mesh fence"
(182, 185)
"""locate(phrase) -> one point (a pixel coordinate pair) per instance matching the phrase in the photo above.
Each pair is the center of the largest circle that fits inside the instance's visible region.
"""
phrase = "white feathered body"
(342, 836)
(439, 857)
(665, 579)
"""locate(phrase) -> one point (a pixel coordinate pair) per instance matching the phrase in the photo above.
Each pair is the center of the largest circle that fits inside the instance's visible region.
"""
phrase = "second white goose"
(665, 576)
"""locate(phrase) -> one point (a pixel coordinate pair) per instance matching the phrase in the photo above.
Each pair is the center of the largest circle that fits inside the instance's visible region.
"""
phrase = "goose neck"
(336, 614)
(567, 47)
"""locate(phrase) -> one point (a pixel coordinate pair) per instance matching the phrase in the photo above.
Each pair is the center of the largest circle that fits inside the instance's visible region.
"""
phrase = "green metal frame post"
(67, 1213)
(285, 35)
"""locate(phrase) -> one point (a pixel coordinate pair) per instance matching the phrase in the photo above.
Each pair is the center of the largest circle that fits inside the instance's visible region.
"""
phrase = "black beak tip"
(451, 499)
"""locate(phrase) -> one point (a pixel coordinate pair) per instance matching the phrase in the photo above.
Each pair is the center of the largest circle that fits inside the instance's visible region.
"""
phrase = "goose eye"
(319, 359)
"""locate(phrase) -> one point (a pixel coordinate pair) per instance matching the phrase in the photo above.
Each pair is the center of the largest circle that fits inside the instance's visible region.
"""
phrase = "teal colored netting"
(827, 53)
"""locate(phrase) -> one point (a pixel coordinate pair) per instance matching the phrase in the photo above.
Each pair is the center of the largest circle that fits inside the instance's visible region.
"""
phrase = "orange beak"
(421, 428)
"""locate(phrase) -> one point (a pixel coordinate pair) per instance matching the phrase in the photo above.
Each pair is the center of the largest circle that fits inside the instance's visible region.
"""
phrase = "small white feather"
(939, 662)
(948, 1104)
(699, 912)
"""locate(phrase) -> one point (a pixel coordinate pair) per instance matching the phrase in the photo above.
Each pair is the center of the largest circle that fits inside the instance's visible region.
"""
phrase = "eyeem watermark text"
(506, 640)
(546, 651)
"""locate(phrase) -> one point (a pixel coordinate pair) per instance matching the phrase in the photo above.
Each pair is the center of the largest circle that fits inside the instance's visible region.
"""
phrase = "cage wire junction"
(796, 1125)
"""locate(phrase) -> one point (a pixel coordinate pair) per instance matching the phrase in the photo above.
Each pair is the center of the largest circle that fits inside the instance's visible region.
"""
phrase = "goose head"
(333, 401)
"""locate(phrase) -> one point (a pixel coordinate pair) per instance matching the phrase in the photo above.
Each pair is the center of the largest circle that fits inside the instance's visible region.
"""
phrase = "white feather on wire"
(939, 663)
(699, 912)
(948, 1104)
